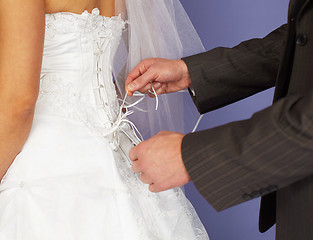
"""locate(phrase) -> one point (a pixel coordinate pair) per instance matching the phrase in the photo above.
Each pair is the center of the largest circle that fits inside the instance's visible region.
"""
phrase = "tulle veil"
(156, 28)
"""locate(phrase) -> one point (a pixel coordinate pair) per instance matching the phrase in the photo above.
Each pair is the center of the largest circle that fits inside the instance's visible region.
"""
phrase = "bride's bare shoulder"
(106, 7)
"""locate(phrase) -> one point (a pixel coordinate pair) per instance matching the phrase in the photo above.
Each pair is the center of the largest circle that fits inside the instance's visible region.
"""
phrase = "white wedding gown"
(73, 180)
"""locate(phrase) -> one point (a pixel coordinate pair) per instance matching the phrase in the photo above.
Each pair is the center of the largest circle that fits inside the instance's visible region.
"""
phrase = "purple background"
(227, 23)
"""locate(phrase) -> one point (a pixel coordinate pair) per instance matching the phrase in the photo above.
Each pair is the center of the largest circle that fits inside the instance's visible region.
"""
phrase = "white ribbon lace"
(122, 117)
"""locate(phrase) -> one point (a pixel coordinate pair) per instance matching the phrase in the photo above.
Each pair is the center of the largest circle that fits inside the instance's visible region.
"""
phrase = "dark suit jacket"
(271, 154)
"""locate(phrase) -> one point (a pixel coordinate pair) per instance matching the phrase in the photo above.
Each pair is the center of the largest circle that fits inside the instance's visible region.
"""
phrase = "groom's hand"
(166, 76)
(159, 161)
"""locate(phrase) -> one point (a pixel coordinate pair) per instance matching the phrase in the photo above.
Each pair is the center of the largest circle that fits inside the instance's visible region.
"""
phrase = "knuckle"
(136, 167)
(162, 133)
(144, 178)
(160, 91)
(157, 85)
(141, 81)
(132, 153)
(139, 148)
(155, 73)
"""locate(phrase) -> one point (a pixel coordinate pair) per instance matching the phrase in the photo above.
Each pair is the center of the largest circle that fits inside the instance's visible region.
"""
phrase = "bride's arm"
(21, 47)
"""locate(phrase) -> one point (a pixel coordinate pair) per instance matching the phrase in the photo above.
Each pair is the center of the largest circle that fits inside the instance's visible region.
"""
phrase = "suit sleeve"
(246, 159)
(225, 75)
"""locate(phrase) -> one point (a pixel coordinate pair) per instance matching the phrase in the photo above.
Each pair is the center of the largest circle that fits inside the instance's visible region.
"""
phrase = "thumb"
(140, 69)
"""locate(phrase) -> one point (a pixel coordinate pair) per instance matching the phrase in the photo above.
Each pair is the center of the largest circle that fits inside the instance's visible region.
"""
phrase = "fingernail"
(131, 86)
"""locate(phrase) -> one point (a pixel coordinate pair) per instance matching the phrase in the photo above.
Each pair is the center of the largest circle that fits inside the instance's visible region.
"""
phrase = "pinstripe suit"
(271, 154)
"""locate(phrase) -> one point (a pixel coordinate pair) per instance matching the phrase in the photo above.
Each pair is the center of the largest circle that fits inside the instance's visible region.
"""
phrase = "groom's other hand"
(160, 162)
(166, 76)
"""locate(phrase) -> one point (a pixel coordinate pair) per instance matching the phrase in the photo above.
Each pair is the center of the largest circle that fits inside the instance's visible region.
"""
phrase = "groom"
(269, 155)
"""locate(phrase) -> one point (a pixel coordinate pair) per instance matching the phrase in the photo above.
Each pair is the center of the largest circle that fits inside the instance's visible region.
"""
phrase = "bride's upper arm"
(22, 25)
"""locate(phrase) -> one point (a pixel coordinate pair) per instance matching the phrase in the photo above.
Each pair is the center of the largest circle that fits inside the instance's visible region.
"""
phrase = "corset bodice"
(76, 78)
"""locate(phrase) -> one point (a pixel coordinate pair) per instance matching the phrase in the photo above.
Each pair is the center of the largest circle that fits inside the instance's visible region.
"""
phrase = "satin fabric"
(73, 179)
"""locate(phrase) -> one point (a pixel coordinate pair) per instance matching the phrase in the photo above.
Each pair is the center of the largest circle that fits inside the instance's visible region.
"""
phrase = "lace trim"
(65, 22)
(62, 100)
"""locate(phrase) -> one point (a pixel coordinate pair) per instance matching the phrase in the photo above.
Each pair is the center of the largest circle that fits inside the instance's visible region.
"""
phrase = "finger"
(151, 95)
(146, 88)
(141, 82)
(139, 70)
(161, 90)
(159, 187)
(133, 154)
(128, 85)
(145, 178)
(136, 167)
(135, 73)
(154, 188)
(157, 85)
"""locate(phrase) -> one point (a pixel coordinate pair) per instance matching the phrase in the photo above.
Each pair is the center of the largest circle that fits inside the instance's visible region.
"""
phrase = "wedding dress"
(73, 180)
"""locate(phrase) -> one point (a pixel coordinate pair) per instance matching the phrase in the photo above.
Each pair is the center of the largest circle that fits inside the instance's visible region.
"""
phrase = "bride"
(65, 134)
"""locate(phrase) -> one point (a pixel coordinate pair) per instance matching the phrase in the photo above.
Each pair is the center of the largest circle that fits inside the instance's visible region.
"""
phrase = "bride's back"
(106, 7)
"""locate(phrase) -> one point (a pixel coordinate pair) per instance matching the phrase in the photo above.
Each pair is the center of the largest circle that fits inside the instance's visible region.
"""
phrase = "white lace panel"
(62, 93)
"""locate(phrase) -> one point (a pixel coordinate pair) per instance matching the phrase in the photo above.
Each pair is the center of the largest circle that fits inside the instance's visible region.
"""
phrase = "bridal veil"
(155, 28)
